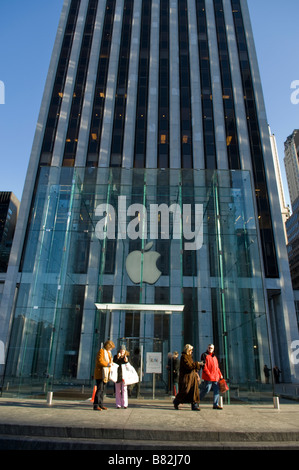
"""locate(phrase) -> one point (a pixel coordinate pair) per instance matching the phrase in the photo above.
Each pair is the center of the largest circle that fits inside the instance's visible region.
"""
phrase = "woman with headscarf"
(188, 380)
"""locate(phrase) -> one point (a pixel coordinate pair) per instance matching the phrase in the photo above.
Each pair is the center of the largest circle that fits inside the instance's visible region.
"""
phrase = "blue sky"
(27, 34)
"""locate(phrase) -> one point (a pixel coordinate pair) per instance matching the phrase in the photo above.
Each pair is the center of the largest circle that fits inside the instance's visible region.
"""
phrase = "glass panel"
(137, 238)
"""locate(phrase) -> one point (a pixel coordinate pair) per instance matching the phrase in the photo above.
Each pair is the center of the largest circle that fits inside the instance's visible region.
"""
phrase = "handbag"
(223, 387)
(113, 373)
(129, 374)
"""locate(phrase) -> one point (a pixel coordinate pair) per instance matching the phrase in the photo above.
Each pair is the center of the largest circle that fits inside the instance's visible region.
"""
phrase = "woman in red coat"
(211, 375)
(188, 380)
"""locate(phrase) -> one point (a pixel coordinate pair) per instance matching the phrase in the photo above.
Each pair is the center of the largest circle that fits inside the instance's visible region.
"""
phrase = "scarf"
(106, 370)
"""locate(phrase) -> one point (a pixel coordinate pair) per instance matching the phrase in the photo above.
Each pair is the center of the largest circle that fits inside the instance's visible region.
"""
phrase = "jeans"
(206, 387)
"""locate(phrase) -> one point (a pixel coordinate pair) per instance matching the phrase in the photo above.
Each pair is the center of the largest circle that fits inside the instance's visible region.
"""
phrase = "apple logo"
(150, 271)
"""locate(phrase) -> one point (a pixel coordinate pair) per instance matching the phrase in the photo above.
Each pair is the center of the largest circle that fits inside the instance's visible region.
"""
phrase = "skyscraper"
(9, 207)
(150, 213)
(291, 151)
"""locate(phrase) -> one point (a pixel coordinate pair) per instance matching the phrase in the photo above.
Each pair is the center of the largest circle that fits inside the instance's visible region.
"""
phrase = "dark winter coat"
(188, 380)
(175, 368)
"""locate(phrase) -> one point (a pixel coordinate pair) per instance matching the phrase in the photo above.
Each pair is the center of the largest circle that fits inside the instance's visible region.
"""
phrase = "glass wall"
(153, 259)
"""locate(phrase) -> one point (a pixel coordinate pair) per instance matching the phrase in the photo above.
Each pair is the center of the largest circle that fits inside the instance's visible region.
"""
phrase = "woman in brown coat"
(188, 380)
(103, 363)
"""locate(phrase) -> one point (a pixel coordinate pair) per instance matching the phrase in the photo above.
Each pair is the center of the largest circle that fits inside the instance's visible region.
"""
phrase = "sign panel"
(153, 363)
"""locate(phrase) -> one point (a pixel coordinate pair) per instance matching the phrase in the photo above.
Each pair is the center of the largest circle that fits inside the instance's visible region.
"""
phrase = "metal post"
(276, 403)
(49, 398)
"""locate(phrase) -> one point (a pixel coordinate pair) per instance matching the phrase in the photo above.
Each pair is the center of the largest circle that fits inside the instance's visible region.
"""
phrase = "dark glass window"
(121, 88)
(206, 86)
(190, 317)
(100, 88)
(132, 323)
(185, 93)
(142, 87)
(58, 89)
(260, 182)
(161, 321)
(79, 88)
(227, 89)
(163, 106)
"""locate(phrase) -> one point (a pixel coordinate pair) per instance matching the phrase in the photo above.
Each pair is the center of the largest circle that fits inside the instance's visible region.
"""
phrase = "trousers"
(206, 387)
(99, 395)
(121, 394)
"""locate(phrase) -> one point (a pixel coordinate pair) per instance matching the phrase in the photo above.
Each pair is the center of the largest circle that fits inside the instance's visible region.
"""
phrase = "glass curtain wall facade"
(149, 104)
(87, 225)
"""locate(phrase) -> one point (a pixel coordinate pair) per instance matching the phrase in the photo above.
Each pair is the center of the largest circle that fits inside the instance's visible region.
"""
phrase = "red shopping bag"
(93, 393)
(223, 387)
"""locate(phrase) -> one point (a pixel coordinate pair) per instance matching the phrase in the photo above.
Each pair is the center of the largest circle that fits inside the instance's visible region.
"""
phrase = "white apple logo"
(150, 271)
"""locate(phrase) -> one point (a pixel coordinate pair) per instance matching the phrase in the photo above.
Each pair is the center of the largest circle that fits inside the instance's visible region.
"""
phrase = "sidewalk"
(151, 425)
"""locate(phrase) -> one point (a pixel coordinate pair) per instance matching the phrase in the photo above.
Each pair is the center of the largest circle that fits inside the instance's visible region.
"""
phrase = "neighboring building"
(285, 210)
(291, 162)
(150, 213)
(292, 226)
(9, 207)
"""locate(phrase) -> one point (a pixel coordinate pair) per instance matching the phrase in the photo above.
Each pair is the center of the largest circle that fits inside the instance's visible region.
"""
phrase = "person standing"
(136, 363)
(276, 373)
(121, 392)
(211, 375)
(267, 373)
(188, 380)
(101, 374)
(175, 372)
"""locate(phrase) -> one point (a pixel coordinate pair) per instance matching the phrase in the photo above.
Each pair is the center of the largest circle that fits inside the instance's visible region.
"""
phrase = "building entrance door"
(150, 358)
(151, 350)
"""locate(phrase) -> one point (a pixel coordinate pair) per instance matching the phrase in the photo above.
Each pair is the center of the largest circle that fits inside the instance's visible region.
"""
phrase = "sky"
(27, 34)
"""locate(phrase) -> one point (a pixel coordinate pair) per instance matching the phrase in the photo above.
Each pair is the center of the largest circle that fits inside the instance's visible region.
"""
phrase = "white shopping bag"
(129, 374)
(113, 372)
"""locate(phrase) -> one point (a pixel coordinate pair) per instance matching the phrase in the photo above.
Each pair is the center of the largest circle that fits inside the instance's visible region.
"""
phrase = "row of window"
(206, 86)
(142, 87)
(227, 89)
(79, 88)
(260, 181)
(100, 88)
(121, 87)
(57, 93)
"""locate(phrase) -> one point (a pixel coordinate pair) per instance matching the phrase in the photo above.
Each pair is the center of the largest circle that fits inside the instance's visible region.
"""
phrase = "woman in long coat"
(188, 380)
(101, 372)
